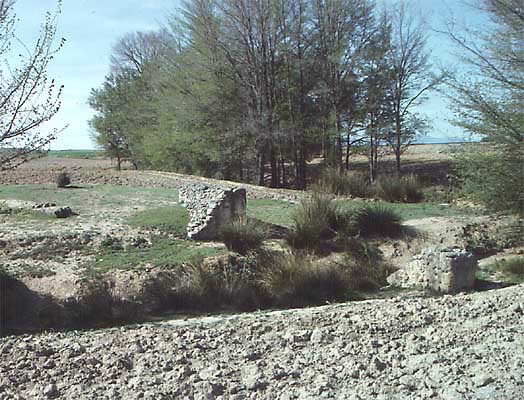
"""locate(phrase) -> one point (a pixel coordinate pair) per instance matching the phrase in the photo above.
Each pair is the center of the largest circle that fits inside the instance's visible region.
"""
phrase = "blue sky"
(91, 28)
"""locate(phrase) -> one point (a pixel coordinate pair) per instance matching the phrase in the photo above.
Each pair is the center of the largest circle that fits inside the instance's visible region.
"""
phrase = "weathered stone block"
(210, 208)
(448, 270)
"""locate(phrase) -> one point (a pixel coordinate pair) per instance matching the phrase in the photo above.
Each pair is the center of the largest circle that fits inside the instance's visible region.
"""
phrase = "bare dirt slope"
(448, 348)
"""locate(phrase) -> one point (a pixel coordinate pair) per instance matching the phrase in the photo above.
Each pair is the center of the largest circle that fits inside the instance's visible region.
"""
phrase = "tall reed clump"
(377, 220)
(201, 285)
(406, 189)
(293, 280)
(243, 235)
(313, 222)
(344, 183)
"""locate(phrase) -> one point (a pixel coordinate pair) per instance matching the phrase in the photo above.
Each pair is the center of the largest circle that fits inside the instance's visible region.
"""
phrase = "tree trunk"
(398, 146)
(348, 146)
(261, 168)
(275, 178)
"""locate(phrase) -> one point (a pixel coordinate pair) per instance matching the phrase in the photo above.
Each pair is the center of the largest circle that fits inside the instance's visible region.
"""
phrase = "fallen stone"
(447, 270)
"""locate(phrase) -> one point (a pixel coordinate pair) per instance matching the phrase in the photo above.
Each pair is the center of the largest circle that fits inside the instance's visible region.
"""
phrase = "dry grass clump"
(243, 235)
(293, 280)
(377, 220)
(313, 223)
(364, 266)
(344, 183)
(406, 189)
(208, 286)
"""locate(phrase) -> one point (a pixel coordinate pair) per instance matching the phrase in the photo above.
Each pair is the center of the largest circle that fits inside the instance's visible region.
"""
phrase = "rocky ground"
(468, 346)
(452, 347)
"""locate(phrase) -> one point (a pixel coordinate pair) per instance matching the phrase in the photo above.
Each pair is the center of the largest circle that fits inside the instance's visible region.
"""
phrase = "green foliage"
(313, 222)
(492, 176)
(243, 236)
(377, 220)
(488, 102)
(172, 219)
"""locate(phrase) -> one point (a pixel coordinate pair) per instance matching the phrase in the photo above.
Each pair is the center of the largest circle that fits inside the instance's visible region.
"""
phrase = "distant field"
(75, 153)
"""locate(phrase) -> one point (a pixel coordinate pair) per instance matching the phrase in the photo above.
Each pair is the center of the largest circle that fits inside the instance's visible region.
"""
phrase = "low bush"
(377, 220)
(243, 235)
(354, 184)
(313, 222)
(293, 280)
(62, 180)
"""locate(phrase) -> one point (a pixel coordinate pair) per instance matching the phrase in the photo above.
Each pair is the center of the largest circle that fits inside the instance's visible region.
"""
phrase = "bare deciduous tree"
(137, 49)
(28, 98)
(412, 77)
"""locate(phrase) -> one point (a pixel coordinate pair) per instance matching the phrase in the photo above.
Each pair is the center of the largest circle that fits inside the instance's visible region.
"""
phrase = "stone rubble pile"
(211, 207)
(444, 270)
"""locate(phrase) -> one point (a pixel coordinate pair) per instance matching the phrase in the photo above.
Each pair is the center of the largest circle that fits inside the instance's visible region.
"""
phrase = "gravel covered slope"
(451, 347)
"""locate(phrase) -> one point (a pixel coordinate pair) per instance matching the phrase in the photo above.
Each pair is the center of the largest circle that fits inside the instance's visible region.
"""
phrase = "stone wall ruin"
(211, 207)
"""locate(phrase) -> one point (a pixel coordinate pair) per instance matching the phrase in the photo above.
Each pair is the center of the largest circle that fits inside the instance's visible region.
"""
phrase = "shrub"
(377, 220)
(491, 175)
(313, 222)
(345, 183)
(62, 180)
(243, 236)
(404, 189)
(293, 280)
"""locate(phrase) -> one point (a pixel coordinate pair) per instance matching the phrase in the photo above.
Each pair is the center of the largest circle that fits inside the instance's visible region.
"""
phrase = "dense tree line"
(253, 89)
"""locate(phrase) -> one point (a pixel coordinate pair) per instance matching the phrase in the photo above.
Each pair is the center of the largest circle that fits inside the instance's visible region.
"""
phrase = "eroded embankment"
(450, 347)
